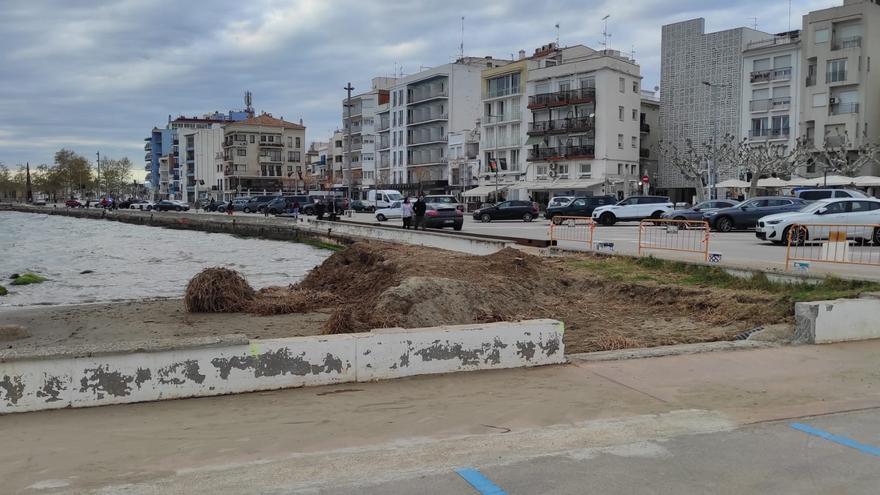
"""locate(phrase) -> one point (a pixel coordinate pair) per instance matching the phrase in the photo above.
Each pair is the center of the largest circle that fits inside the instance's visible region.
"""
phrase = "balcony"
(770, 133)
(561, 126)
(269, 159)
(430, 139)
(761, 76)
(148, 146)
(836, 76)
(148, 157)
(644, 153)
(427, 118)
(148, 168)
(843, 108)
(498, 93)
(420, 96)
(846, 43)
(781, 103)
(561, 153)
(497, 119)
(644, 128)
(384, 125)
(273, 144)
(562, 98)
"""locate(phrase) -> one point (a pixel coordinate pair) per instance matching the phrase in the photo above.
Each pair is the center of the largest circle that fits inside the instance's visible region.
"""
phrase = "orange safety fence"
(689, 236)
(857, 244)
(577, 229)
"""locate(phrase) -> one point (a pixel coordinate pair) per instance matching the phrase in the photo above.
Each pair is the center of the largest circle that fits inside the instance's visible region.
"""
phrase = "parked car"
(383, 198)
(309, 208)
(817, 194)
(73, 203)
(140, 204)
(837, 211)
(256, 203)
(633, 208)
(39, 202)
(508, 210)
(444, 201)
(171, 205)
(361, 206)
(560, 201)
(439, 216)
(393, 211)
(697, 211)
(746, 214)
(578, 207)
(238, 204)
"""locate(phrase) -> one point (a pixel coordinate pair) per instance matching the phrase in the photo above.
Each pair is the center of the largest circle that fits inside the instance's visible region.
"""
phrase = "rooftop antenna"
(754, 23)
(789, 16)
(632, 53)
(605, 34)
(557, 35)
(248, 101)
(461, 45)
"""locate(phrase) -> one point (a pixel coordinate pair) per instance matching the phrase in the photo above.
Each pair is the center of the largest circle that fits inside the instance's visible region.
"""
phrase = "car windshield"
(394, 196)
(440, 199)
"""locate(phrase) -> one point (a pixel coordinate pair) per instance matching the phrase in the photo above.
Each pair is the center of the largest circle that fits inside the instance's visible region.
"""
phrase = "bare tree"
(763, 159)
(840, 156)
(692, 161)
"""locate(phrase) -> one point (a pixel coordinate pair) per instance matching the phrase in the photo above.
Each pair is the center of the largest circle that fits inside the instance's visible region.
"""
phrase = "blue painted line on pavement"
(867, 449)
(480, 483)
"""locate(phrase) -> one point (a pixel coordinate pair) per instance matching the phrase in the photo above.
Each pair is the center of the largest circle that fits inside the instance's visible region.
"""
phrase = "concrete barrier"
(822, 322)
(32, 384)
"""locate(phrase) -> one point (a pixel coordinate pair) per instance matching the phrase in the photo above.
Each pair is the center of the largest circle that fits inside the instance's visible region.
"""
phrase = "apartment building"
(839, 89)
(336, 149)
(649, 139)
(464, 161)
(383, 145)
(202, 163)
(262, 155)
(583, 124)
(424, 108)
(362, 124)
(702, 87)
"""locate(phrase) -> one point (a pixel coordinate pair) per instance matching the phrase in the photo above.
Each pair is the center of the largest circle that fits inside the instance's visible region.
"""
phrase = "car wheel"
(177, 208)
(485, 218)
(380, 217)
(527, 217)
(657, 214)
(724, 224)
(556, 219)
(798, 237)
(149, 208)
(221, 210)
(246, 209)
(607, 219)
(458, 227)
(876, 236)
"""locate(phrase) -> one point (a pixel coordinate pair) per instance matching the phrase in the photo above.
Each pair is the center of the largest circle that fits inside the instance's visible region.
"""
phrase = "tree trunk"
(753, 186)
(701, 190)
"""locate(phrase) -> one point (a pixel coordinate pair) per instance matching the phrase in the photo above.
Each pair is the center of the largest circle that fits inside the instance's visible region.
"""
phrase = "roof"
(267, 120)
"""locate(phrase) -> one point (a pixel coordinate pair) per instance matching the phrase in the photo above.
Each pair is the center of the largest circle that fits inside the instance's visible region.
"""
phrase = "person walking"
(295, 209)
(406, 212)
(419, 209)
(230, 208)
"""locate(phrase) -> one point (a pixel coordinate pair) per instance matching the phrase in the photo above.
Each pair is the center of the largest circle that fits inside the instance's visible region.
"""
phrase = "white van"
(382, 198)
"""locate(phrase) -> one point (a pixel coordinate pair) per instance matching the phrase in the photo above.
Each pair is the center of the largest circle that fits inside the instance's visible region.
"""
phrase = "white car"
(393, 211)
(141, 204)
(632, 209)
(560, 201)
(860, 214)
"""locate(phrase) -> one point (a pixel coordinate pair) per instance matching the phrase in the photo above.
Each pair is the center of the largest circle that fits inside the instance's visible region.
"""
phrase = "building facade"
(464, 161)
(702, 87)
(839, 92)
(262, 155)
(362, 123)
(649, 133)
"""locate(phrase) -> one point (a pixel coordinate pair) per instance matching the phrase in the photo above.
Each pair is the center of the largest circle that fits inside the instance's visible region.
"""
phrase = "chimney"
(522, 54)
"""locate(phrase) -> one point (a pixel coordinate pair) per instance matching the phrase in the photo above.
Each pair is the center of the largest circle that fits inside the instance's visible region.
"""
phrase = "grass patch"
(3, 291)
(634, 270)
(27, 279)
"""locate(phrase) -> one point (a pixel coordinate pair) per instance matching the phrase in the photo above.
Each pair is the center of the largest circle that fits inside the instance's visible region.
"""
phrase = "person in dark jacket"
(419, 209)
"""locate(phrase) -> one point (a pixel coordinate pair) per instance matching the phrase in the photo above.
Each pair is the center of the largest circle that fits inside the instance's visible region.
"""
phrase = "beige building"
(262, 155)
(840, 91)
(649, 138)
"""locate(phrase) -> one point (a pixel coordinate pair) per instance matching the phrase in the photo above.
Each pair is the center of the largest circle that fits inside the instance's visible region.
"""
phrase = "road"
(723, 422)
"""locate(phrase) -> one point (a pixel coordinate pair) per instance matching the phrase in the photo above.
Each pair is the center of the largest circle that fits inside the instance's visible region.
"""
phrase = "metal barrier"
(832, 243)
(577, 229)
(689, 236)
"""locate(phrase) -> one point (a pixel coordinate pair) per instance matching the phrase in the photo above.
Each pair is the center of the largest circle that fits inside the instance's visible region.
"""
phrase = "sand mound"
(217, 290)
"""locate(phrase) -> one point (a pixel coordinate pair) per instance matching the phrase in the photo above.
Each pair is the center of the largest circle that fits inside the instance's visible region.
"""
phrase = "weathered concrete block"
(396, 352)
(821, 322)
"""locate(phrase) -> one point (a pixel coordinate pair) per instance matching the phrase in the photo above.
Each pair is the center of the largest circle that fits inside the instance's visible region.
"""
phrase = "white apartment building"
(771, 88)
(464, 160)
(424, 108)
(840, 92)
(203, 159)
(362, 123)
(701, 91)
(383, 144)
(583, 124)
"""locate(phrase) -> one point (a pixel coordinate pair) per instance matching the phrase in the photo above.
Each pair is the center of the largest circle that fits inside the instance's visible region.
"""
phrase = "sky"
(96, 76)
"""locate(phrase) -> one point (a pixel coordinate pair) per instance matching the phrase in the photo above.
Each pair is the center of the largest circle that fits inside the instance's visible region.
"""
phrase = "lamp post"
(712, 165)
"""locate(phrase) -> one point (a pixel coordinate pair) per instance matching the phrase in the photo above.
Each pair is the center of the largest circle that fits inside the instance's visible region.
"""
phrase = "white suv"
(633, 208)
(817, 194)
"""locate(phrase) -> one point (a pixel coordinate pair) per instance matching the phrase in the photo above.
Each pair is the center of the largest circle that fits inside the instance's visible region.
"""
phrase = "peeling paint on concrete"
(525, 350)
(278, 362)
(404, 359)
(52, 388)
(468, 357)
(14, 389)
(101, 380)
(178, 373)
(551, 347)
(142, 376)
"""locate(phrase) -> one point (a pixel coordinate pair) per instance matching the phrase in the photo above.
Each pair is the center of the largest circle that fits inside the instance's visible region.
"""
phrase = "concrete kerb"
(84, 381)
(841, 320)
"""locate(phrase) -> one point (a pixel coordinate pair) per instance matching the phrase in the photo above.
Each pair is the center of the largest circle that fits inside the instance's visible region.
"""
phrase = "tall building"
(839, 92)
(424, 108)
(262, 155)
(701, 91)
(362, 122)
(649, 134)
(583, 124)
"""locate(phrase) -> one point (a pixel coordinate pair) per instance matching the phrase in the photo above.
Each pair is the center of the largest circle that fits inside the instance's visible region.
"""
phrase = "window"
(394, 99)
(635, 86)
(822, 35)
(241, 152)
(759, 127)
(621, 83)
(620, 114)
(634, 143)
(619, 169)
(780, 125)
(293, 156)
(635, 114)
(541, 171)
(586, 170)
(587, 82)
(298, 143)
(562, 170)
(252, 138)
(836, 70)
(620, 141)
(289, 142)
(782, 62)
(339, 144)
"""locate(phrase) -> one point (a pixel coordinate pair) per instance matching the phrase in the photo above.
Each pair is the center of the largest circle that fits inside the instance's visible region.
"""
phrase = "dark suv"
(281, 204)
(746, 214)
(508, 210)
(256, 203)
(578, 207)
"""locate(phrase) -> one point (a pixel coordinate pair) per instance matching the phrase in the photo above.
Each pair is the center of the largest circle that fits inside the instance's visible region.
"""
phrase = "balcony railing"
(427, 139)
(843, 108)
(848, 42)
(423, 96)
(384, 125)
(561, 126)
(494, 119)
(561, 153)
(561, 98)
(501, 92)
(772, 133)
(643, 127)
(780, 103)
(779, 74)
(274, 144)
(426, 118)
(835, 76)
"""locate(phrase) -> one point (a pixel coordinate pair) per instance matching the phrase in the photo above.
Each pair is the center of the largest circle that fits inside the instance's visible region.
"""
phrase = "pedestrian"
(88, 203)
(212, 206)
(406, 212)
(419, 209)
(295, 210)
(741, 197)
(266, 210)
(230, 208)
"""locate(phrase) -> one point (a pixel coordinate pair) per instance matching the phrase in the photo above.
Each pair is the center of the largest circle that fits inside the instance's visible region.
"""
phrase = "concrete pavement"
(704, 423)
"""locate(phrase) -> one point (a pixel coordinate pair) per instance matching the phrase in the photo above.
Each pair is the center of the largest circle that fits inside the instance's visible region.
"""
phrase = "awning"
(773, 182)
(734, 183)
(867, 181)
(483, 191)
(557, 185)
(532, 140)
(831, 180)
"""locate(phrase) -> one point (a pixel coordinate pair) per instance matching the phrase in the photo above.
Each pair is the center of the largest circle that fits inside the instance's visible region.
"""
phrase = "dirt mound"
(360, 270)
(217, 290)
(286, 300)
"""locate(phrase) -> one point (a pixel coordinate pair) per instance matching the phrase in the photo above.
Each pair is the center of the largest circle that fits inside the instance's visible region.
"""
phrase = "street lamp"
(711, 165)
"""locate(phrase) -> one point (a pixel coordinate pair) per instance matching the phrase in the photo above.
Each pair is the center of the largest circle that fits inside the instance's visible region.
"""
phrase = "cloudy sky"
(93, 75)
